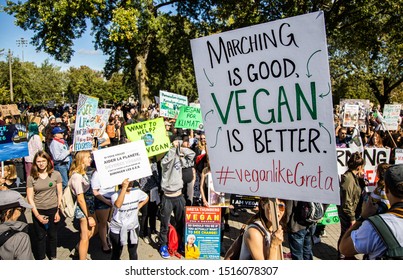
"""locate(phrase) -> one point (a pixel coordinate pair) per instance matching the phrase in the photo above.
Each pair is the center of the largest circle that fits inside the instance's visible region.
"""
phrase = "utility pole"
(10, 58)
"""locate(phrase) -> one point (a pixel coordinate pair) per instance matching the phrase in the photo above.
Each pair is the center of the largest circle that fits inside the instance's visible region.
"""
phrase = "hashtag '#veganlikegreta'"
(223, 175)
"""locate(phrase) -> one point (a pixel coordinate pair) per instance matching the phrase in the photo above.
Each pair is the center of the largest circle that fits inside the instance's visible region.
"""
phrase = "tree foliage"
(364, 38)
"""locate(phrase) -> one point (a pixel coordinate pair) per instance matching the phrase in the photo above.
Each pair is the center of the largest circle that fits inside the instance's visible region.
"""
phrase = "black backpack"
(308, 213)
(394, 251)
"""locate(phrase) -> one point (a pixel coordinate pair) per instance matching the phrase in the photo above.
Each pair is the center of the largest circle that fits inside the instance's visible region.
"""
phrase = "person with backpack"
(379, 236)
(302, 218)
(44, 194)
(14, 239)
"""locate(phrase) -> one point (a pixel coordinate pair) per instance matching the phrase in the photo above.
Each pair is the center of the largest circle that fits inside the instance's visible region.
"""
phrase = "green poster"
(331, 216)
(189, 117)
(153, 133)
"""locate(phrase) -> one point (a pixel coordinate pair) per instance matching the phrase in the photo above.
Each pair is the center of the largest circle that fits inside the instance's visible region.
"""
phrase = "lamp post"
(10, 57)
(140, 69)
(22, 43)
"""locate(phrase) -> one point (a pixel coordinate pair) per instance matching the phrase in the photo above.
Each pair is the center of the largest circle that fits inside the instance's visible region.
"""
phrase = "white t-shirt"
(96, 185)
(128, 213)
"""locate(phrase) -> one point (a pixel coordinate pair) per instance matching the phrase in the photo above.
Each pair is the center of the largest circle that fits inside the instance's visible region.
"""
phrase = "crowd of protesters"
(52, 165)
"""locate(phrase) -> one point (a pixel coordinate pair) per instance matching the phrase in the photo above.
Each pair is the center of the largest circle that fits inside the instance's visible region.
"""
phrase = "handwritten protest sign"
(170, 104)
(9, 110)
(372, 157)
(13, 141)
(153, 133)
(267, 109)
(189, 117)
(391, 116)
(100, 122)
(116, 163)
(204, 224)
(87, 107)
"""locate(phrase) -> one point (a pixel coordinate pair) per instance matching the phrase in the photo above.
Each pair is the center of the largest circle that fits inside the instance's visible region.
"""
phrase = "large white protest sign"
(123, 161)
(267, 106)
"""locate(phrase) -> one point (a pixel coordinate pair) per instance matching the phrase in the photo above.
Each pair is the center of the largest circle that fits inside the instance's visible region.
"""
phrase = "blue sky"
(85, 53)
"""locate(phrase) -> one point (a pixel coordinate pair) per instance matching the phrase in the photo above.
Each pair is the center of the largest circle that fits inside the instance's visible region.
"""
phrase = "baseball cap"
(12, 199)
(394, 175)
(57, 129)
(59, 120)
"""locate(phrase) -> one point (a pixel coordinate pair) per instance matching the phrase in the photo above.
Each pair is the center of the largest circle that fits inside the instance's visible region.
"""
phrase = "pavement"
(69, 236)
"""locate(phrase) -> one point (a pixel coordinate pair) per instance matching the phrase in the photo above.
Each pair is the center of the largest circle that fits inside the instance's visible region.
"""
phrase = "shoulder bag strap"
(384, 231)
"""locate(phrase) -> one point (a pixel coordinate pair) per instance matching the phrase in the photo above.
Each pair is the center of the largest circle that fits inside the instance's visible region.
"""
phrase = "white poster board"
(267, 105)
(116, 163)
(391, 116)
(170, 104)
(350, 117)
(398, 156)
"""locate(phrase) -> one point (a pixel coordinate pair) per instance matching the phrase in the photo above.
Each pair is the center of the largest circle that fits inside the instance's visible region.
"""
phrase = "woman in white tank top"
(260, 242)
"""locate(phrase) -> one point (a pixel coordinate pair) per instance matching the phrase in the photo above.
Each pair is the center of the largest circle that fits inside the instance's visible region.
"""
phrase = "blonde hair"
(78, 163)
(12, 171)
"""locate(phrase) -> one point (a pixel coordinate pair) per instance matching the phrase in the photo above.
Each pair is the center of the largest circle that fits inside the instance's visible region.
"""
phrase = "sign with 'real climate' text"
(267, 108)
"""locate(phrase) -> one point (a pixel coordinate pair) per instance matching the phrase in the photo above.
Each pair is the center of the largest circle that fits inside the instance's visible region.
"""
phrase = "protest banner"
(9, 110)
(391, 116)
(170, 104)
(372, 157)
(189, 117)
(398, 156)
(266, 104)
(100, 122)
(350, 116)
(114, 164)
(13, 141)
(87, 107)
(153, 133)
(204, 223)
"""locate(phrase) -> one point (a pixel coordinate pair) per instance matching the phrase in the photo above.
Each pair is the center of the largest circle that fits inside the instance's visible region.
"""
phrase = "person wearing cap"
(362, 237)
(61, 154)
(18, 245)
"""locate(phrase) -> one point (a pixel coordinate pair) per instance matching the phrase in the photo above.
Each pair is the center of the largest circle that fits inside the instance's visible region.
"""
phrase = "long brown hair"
(263, 213)
(49, 166)
(78, 163)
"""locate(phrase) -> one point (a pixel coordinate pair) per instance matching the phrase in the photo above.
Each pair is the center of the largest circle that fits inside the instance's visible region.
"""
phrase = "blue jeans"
(301, 243)
(64, 171)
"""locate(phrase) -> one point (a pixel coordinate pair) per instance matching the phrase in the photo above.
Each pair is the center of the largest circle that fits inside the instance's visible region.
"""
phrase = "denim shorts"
(78, 214)
(100, 205)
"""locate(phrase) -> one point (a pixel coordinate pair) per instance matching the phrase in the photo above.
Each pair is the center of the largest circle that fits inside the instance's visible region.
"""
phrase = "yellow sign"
(153, 134)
